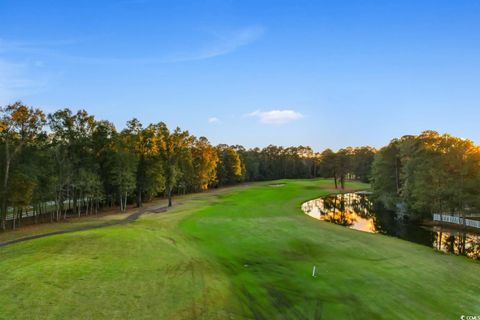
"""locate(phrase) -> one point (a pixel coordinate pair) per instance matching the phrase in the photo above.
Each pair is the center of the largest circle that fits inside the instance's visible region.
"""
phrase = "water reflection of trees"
(457, 242)
(357, 212)
(347, 209)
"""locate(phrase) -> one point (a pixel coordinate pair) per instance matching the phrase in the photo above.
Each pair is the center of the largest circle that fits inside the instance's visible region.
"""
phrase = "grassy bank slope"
(246, 252)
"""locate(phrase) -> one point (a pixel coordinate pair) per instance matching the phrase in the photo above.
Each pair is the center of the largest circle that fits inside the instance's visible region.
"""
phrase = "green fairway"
(240, 253)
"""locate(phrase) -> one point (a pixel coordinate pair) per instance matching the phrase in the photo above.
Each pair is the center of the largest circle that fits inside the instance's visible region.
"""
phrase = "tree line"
(69, 163)
(428, 173)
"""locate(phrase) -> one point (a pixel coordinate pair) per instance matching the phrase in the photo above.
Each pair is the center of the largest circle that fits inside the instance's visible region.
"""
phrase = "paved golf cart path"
(130, 218)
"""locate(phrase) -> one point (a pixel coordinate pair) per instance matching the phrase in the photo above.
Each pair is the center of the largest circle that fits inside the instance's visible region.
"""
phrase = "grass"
(244, 252)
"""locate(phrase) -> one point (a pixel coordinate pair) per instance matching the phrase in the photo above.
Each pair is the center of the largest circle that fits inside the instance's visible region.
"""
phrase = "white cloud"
(222, 43)
(276, 116)
(225, 44)
(213, 120)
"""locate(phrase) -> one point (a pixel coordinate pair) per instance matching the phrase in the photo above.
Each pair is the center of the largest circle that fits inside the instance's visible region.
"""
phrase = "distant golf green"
(245, 252)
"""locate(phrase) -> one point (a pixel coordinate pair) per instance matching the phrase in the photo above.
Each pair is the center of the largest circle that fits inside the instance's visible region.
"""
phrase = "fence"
(456, 220)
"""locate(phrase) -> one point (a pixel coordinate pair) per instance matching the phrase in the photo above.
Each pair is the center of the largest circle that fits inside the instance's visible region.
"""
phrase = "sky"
(318, 73)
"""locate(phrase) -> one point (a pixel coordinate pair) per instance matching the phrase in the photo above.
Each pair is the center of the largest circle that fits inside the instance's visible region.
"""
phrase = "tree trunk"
(74, 201)
(397, 175)
(5, 185)
(139, 197)
(335, 179)
(14, 219)
(121, 202)
(169, 196)
(63, 204)
(20, 218)
(140, 180)
(79, 204)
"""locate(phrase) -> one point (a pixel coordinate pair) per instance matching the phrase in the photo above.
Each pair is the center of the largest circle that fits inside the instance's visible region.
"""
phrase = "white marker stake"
(313, 272)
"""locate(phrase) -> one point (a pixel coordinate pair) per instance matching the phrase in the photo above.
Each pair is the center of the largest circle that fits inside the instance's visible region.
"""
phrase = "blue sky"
(318, 73)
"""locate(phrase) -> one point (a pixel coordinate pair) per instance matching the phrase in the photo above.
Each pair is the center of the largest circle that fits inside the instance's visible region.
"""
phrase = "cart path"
(130, 218)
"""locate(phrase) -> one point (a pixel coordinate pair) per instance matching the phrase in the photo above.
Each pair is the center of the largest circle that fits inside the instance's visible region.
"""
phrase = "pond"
(356, 211)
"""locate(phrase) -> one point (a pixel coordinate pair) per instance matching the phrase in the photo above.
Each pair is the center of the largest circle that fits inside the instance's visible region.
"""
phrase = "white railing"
(472, 223)
(456, 220)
